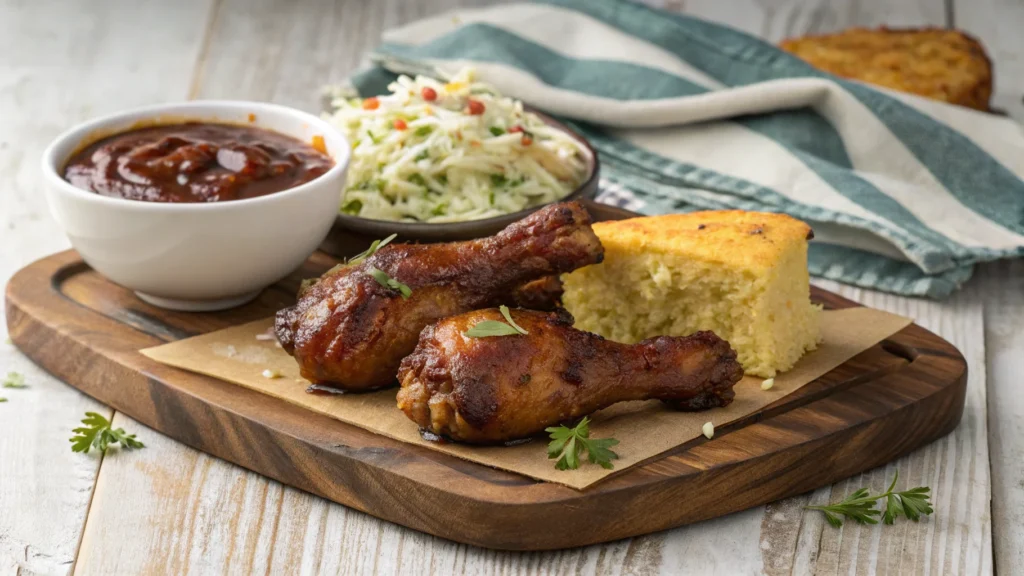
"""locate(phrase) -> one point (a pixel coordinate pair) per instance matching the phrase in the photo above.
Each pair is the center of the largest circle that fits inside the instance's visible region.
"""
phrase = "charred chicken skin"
(543, 294)
(485, 390)
(350, 331)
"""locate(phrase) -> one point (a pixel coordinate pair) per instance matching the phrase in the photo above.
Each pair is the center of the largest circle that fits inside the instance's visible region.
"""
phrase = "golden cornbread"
(940, 64)
(740, 274)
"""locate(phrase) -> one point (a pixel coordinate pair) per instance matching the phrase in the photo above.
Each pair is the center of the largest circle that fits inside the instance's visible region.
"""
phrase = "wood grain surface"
(57, 72)
(883, 403)
(66, 62)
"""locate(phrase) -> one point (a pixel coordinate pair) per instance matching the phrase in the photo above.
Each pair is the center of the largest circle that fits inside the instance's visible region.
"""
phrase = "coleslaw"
(433, 151)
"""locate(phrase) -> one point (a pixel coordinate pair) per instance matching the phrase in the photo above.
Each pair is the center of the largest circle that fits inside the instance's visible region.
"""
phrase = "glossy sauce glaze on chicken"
(350, 331)
(485, 390)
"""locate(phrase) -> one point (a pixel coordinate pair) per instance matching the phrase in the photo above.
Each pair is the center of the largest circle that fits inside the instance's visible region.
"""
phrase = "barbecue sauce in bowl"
(195, 162)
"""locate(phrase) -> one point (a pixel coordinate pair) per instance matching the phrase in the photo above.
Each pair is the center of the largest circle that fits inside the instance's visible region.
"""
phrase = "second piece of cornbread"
(740, 274)
(940, 64)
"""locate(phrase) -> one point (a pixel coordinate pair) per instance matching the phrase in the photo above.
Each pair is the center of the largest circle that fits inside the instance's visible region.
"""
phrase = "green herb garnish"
(567, 444)
(417, 179)
(388, 282)
(423, 130)
(14, 380)
(377, 185)
(352, 207)
(489, 328)
(98, 434)
(498, 179)
(508, 316)
(375, 139)
(374, 247)
(497, 131)
(860, 506)
(440, 209)
(423, 155)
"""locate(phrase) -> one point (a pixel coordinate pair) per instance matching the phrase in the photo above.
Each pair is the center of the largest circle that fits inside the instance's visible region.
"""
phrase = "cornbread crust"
(740, 274)
(944, 65)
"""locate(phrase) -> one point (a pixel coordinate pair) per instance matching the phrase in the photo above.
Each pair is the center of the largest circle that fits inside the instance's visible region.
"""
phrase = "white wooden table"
(171, 509)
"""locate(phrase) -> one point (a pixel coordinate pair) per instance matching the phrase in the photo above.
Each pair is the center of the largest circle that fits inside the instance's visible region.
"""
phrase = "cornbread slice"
(945, 65)
(740, 274)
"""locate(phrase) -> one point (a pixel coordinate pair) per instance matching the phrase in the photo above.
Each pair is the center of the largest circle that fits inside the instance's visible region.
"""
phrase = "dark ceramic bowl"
(352, 234)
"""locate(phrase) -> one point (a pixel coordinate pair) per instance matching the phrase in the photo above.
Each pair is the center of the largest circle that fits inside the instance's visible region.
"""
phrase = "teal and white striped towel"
(904, 194)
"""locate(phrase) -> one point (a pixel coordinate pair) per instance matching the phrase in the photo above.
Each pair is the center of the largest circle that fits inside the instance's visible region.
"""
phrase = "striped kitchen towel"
(904, 194)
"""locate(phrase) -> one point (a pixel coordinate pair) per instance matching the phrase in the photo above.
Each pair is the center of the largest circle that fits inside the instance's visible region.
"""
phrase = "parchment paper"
(644, 429)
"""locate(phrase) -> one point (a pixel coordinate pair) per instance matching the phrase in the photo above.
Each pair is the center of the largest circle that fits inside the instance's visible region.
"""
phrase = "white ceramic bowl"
(198, 256)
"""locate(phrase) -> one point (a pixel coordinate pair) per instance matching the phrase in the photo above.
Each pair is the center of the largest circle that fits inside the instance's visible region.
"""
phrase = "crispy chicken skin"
(543, 294)
(350, 332)
(500, 388)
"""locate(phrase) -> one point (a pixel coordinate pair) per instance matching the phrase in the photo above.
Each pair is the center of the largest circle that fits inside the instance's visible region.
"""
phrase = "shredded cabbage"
(432, 151)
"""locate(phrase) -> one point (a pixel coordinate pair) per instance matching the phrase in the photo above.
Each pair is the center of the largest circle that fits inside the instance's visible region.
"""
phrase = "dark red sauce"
(195, 162)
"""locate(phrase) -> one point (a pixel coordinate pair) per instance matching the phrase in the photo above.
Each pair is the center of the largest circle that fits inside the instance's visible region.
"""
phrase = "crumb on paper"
(272, 374)
(767, 384)
(708, 429)
(249, 354)
(265, 337)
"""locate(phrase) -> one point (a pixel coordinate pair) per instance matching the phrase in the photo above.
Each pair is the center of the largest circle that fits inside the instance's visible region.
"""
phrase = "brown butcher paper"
(644, 429)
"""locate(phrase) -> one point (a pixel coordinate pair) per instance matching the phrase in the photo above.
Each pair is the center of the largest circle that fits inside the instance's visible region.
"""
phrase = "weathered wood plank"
(194, 514)
(1002, 285)
(774, 20)
(283, 529)
(997, 25)
(958, 537)
(956, 467)
(62, 64)
(226, 517)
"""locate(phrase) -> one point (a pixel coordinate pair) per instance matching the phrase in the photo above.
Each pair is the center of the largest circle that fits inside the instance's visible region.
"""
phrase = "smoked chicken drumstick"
(493, 389)
(351, 329)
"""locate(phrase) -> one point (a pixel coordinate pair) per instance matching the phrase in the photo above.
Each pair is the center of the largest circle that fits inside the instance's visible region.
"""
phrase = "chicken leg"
(350, 330)
(484, 390)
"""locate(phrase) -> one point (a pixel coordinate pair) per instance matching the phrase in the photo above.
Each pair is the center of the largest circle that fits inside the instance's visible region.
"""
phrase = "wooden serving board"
(892, 398)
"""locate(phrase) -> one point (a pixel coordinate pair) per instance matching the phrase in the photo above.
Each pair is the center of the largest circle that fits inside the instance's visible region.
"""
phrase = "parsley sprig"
(14, 380)
(374, 247)
(97, 433)
(860, 506)
(488, 328)
(388, 282)
(568, 443)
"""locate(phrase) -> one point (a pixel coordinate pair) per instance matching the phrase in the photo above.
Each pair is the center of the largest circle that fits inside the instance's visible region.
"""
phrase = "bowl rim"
(51, 164)
(467, 226)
